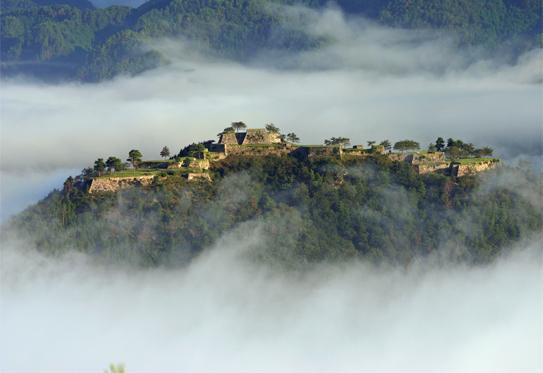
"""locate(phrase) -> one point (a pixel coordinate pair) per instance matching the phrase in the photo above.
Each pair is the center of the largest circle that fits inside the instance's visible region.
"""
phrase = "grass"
(160, 161)
(152, 172)
(131, 173)
(475, 160)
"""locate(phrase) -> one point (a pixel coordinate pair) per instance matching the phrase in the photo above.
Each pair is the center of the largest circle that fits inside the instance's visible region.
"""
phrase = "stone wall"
(460, 170)
(196, 163)
(259, 150)
(303, 152)
(429, 167)
(113, 184)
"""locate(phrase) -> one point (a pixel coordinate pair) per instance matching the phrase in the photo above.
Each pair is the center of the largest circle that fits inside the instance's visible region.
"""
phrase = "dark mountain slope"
(303, 211)
(71, 39)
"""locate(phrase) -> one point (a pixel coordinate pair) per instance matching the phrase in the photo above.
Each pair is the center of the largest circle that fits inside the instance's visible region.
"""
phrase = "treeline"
(303, 211)
(70, 38)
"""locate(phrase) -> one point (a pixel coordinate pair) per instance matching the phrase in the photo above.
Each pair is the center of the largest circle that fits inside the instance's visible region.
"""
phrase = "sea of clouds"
(227, 313)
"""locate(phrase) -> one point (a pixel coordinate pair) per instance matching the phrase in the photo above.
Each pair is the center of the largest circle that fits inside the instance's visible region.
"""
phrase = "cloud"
(367, 82)
(227, 313)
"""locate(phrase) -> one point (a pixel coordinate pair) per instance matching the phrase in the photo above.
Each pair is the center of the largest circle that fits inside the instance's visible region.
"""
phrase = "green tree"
(165, 152)
(371, 143)
(192, 150)
(406, 145)
(238, 126)
(134, 157)
(114, 164)
(99, 166)
(270, 127)
(484, 152)
(386, 144)
(440, 144)
(293, 138)
(87, 172)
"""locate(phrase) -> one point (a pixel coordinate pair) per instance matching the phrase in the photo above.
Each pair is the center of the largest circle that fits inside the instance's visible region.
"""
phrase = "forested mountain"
(72, 39)
(304, 210)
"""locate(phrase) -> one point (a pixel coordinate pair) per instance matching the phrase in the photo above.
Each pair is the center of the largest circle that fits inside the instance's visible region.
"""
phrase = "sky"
(223, 312)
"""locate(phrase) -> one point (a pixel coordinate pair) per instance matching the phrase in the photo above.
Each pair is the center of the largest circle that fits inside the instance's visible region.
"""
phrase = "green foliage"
(293, 138)
(270, 127)
(114, 164)
(337, 141)
(440, 144)
(134, 157)
(406, 145)
(308, 211)
(72, 39)
(458, 149)
(192, 150)
(475, 21)
(238, 126)
(99, 166)
(386, 145)
(165, 152)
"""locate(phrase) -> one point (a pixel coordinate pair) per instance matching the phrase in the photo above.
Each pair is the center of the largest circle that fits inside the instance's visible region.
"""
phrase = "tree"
(440, 144)
(342, 141)
(371, 143)
(99, 166)
(455, 152)
(386, 144)
(293, 138)
(134, 157)
(165, 152)
(226, 130)
(238, 126)
(87, 172)
(432, 148)
(192, 150)
(270, 127)
(114, 164)
(406, 145)
(484, 152)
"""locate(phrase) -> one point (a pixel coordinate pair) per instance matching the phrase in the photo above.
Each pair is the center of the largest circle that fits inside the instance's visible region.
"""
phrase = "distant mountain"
(18, 4)
(71, 39)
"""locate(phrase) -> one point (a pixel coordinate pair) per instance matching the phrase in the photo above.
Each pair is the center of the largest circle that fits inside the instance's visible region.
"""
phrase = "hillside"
(309, 204)
(73, 40)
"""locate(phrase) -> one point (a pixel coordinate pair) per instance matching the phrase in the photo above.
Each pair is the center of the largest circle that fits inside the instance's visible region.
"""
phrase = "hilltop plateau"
(381, 202)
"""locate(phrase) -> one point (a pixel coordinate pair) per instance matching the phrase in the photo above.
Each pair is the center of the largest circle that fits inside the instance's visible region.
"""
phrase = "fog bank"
(367, 82)
(225, 313)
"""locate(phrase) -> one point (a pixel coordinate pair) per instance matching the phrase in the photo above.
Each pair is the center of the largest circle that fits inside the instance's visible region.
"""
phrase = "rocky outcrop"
(259, 150)
(202, 164)
(113, 184)
(192, 176)
(430, 167)
(459, 169)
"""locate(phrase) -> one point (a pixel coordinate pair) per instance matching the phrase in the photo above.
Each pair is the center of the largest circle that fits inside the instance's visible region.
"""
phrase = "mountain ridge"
(70, 40)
